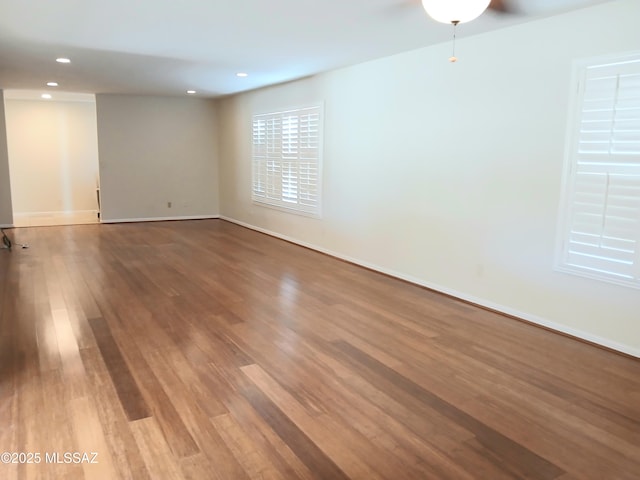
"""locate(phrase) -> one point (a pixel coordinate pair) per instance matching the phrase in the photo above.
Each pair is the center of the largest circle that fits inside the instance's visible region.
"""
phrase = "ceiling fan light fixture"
(459, 11)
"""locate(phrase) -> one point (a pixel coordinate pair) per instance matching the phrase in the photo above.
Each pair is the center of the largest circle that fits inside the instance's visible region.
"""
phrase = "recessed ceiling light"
(242, 74)
(63, 60)
(46, 96)
(52, 84)
(191, 92)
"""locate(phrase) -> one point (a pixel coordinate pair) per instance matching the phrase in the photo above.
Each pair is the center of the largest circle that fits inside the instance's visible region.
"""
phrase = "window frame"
(570, 174)
(298, 208)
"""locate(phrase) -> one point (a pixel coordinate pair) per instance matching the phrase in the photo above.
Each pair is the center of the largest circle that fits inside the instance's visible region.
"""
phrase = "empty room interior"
(343, 239)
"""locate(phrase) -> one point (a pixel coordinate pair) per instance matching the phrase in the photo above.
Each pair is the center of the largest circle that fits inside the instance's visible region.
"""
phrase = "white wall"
(53, 158)
(6, 209)
(155, 150)
(450, 174)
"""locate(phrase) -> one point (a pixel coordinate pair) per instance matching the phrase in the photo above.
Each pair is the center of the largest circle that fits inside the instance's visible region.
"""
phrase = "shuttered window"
(601, 219)
(286, 159)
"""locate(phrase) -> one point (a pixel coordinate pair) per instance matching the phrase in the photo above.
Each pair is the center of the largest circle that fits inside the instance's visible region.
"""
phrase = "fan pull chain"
(453, 57)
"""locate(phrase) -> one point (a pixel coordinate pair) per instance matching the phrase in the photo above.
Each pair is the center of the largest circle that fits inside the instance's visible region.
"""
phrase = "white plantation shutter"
(601, 235)
(287, 158)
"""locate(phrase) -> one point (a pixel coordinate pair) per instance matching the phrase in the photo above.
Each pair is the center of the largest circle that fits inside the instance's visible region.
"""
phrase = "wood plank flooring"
(203, 350)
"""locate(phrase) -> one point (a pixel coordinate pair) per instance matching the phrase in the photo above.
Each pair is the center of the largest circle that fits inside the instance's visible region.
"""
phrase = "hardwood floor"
(203, 350)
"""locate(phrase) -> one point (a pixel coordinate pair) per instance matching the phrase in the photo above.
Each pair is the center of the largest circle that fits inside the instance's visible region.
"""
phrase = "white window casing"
(287, 159)
(599, 228)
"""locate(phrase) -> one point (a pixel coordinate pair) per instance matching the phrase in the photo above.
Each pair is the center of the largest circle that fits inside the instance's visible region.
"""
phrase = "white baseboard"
(40, 219)
(605, 342)
(159, 219)
(6, 225)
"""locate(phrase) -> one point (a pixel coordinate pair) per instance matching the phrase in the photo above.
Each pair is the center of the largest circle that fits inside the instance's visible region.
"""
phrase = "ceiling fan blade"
(502, 6)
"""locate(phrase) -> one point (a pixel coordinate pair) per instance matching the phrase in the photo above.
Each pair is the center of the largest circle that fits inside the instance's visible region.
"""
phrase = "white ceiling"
(168, 46)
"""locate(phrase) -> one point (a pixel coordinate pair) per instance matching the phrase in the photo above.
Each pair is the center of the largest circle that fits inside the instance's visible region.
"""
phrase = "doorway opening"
(53, 157)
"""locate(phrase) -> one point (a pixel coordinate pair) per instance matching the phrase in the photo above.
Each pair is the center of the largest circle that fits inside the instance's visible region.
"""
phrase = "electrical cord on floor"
(7, 241)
